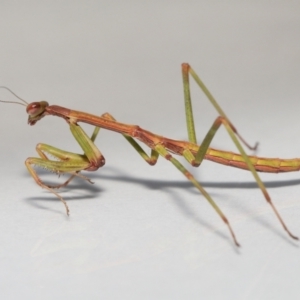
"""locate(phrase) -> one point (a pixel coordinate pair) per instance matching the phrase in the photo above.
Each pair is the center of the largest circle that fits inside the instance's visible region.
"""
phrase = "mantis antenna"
(4, 87)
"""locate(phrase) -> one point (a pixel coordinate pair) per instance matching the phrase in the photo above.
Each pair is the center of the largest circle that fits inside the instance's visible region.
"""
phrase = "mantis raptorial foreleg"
(69, 162)
(198, 158)
(61, 156)
(64, 156)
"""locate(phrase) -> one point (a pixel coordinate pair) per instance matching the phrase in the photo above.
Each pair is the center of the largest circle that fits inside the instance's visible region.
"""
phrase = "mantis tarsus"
(92, 159)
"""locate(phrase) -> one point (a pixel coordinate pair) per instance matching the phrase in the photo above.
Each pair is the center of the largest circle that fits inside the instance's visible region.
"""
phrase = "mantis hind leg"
(196, 160)
(186, 71)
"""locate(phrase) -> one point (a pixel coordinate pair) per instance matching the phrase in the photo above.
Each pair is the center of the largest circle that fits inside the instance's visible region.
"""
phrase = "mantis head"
(36, 111)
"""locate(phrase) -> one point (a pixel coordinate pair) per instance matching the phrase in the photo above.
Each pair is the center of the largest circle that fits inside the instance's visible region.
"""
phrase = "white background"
(144, 232)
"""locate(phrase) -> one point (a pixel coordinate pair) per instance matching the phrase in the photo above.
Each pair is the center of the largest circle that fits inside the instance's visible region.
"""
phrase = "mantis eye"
(36, 108)
(33, 108)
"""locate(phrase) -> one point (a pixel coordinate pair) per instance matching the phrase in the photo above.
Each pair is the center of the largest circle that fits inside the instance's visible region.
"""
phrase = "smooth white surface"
(144, 232)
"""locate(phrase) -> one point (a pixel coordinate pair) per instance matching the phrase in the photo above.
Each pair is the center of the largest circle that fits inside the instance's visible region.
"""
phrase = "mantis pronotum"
(92, 159)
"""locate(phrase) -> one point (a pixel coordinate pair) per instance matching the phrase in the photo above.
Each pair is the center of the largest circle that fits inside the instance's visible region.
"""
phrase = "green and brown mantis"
(92, 159)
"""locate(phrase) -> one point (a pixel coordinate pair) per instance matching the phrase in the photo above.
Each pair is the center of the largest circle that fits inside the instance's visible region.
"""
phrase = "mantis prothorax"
(92, 159)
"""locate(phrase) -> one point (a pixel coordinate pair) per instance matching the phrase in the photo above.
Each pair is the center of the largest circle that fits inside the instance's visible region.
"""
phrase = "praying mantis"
(92, 159)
